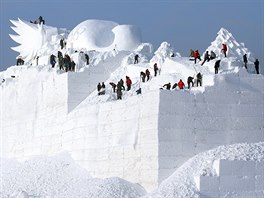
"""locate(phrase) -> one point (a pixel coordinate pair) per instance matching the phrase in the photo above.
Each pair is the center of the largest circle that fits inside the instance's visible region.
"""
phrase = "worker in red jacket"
(128, 83)
(196, 55)
(224, 49)
(181, 84)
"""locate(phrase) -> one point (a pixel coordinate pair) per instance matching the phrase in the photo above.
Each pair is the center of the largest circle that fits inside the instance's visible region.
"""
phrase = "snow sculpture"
(234, 49)
(127, 37)
(165, 50)
(39, 39)
(32, 38)
(103, 36)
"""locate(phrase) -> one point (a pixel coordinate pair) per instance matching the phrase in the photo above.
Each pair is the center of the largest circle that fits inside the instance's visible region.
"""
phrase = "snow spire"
(234, 48)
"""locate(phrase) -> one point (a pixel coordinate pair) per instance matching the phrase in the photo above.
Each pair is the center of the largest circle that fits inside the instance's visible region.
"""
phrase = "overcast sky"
(184, 24)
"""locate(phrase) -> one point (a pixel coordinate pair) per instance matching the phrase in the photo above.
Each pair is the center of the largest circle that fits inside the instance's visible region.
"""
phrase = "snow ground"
(60, 176)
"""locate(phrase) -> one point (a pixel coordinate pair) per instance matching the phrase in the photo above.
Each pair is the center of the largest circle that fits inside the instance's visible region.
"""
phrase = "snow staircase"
(233, 178)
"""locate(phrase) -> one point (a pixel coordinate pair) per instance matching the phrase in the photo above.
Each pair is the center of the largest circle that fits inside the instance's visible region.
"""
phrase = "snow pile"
(103, 35)
(59, 176)
(182, 183)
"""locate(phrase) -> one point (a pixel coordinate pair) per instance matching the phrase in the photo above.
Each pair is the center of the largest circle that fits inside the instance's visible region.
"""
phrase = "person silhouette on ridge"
(245, 60)
(136, 59)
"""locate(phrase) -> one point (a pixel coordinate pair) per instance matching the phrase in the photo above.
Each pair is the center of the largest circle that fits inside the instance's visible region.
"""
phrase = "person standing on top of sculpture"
(196, 56)
(256, 63)
(156, 69)
(136, 59)
(181, 84)
(119, 90)
(99, 89)
(61, 43)
(143, 76)
(128, 83)
(148, 74)
(190, 81)
(199, 79)
(167, 86)
(217, 65)
(87, 59)
(113, 86)
(52, 60)
(206, 57)
(245, 60)
(224, 49)
(103, 89)
(212, 55)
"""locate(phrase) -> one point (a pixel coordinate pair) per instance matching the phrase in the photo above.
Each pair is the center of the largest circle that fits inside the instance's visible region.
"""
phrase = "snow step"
(242, 178)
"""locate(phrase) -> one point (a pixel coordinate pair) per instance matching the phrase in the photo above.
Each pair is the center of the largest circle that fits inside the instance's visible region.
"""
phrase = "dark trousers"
(196, 59)
(155, 72)
(189, 85)
(257, 70)
(147, 78)
(199, 81)
(216, 70)
(206, 60)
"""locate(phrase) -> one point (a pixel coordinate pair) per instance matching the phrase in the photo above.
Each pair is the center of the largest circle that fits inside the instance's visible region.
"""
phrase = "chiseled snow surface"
(182, 183)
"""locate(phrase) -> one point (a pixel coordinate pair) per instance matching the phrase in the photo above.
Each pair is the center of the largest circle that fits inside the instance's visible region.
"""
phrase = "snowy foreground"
(60, 176)
(60, 139)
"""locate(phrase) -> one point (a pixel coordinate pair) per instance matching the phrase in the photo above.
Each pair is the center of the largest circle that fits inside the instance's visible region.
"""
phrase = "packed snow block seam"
(237, 168)
(259, 183)
(254, 135)
(260, 168)
(245, 110)
(250, 98)
(236, 183)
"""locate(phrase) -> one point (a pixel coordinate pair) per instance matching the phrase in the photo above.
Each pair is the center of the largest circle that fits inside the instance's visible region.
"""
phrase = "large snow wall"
(142, 139)
(229, 112)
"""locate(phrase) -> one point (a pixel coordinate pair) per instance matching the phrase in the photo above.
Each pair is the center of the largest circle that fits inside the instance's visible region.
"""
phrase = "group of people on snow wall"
(194, 55)
(117, 88)
(181, 85)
